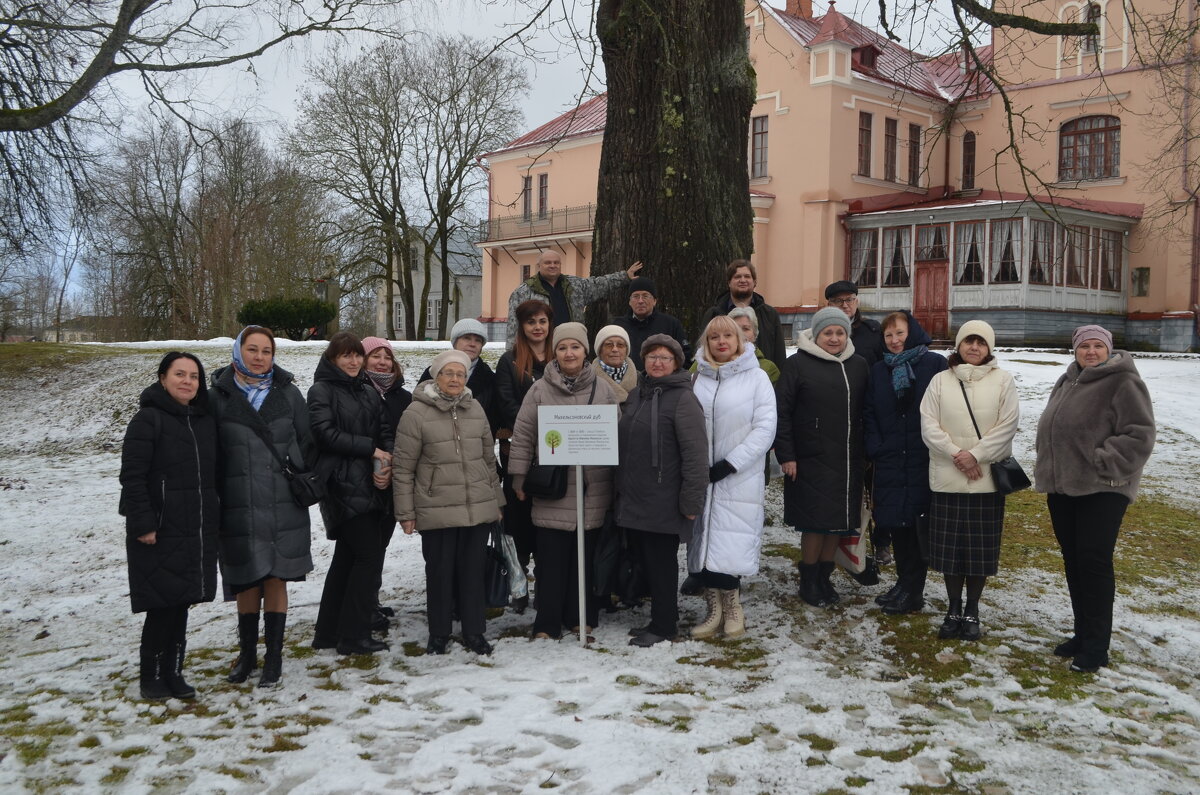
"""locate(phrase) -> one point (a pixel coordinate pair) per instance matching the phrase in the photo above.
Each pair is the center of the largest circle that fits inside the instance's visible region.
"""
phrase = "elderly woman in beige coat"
(613, 361)
(568, 381)
(966, 513)
(446, 488)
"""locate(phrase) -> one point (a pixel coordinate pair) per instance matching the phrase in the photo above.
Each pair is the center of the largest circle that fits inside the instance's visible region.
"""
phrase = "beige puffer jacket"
(444, 465)
(551, 390)
(946, 425)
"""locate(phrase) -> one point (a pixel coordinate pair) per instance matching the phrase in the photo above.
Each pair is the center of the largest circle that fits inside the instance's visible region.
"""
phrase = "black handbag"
(495, 572)
(548, 481)
(307, 488)
(1007, 475)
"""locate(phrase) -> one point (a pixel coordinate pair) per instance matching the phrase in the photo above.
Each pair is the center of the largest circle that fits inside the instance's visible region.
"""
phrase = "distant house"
(465, 295)
(869, 161)
(83, 328)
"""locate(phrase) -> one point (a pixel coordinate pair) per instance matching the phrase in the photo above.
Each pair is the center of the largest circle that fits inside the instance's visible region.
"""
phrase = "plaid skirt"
(964, 533)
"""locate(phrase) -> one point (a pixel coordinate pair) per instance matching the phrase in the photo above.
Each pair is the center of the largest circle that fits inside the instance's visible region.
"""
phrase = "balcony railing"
(554, 222)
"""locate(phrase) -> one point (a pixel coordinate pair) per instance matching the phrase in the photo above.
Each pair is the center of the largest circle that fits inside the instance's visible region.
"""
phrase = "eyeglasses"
(843, 301)
(660, 359)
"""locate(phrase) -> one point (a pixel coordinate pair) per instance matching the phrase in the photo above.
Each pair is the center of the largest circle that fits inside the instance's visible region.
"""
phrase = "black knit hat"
(642, 283)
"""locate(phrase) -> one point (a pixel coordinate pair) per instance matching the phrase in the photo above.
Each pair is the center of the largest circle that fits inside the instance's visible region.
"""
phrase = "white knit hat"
(976, 328)
(468, 325)
(610, 331)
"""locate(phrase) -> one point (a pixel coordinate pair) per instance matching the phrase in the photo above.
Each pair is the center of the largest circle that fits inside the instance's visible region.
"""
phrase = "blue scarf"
(901, 366)
(254, 385)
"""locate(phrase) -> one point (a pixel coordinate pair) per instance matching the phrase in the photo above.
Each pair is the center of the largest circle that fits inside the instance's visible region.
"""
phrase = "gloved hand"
(720, 470)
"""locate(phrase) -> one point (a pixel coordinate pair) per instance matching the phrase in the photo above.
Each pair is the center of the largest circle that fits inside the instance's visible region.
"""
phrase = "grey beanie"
(663, 341)
(829, 316)
(468, 325)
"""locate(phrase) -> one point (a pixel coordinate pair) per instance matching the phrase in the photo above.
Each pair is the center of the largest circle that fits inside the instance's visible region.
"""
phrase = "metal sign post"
(580, 436)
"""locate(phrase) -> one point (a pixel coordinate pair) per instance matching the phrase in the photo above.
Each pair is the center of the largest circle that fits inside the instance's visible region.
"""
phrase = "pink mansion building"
(874, 163)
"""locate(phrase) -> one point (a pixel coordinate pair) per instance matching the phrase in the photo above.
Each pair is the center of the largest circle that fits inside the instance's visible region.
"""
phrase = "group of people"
(224, 470)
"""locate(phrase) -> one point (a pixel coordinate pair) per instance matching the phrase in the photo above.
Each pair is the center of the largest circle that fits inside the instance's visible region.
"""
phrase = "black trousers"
(352, 583)
(518, 523)
(163, 627)
(659, 553)
(1086, 528)
(454, 566)
(722, 582)
(911, 568)
(558, 581)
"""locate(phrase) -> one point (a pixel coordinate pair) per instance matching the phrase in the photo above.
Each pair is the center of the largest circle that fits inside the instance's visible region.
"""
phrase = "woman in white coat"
(739, 414)
(966, 513)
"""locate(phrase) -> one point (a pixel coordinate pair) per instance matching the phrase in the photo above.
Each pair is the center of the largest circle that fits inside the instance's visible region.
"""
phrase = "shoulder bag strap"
(592, 394)
(968, 402)
(264, 434)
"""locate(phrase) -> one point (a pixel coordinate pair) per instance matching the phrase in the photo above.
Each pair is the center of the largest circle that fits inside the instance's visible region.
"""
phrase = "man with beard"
(743, 278)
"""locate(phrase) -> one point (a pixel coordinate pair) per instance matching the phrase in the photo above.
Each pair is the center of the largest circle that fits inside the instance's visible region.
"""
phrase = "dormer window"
(865, 56)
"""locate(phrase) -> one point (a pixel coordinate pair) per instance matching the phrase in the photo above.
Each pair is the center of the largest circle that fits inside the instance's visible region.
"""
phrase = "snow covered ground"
(810, 701)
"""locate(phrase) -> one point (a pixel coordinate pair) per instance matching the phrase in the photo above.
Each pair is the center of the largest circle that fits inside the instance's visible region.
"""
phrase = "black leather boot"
(273, 624)
(172, 659)
(247, 661)
(810, 587)
(150, 680)
(830, 596)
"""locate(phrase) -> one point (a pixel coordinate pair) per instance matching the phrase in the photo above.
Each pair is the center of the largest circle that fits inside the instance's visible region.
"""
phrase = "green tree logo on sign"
(553, 439)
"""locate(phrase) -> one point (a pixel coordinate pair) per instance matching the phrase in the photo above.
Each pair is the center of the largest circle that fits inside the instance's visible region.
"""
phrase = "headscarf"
(254, 385)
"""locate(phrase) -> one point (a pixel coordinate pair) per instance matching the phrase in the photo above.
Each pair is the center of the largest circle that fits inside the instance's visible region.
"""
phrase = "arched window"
(968, 161)
(1089, 148)
(1091, 42)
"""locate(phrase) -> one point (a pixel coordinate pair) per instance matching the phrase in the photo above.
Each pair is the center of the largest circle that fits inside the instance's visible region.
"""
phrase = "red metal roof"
(586, 119)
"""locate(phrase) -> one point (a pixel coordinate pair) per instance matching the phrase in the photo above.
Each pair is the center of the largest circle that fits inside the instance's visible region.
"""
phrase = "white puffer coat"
(946, 425)
(739, 413)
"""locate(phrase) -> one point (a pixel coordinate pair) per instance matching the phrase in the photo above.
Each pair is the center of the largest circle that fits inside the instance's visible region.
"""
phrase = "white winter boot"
(712, 622)
(735, 620)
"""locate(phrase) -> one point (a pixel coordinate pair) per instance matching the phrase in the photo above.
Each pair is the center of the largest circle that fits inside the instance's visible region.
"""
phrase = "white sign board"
(577, 435)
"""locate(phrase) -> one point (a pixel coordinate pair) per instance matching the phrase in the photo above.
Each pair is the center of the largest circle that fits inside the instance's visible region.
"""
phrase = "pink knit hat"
(372, 343)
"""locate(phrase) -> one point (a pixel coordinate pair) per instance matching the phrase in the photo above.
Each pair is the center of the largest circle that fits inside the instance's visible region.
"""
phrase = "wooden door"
(931, 289)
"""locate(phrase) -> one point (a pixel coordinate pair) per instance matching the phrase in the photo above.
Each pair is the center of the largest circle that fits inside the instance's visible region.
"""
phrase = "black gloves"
(720, 470)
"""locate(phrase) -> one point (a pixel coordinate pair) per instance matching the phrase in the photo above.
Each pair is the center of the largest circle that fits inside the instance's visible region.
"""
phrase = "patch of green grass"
(857, 781)
(966, 762)
(745, 740)
(115, 776)
(234, 772)
(740, 655)
(18, 359)
(129, 753)
(362, 662)
(309, 719)
(820, 709)
(283, 742)
(814, 761)
(819, 743)
(565, 707)
(896, 755)
(1036, 361)
(788, 551)
(91, 741)
(1155, 544)
(302, 651)
(629, 680)
(276, 723)
(413, 649)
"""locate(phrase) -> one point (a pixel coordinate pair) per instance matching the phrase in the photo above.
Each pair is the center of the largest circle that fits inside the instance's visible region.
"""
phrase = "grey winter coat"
(264, 533)
(349, 424)
(578, 291)
(551, 390)
(1096, 432)
(663, 475)
(444, 467)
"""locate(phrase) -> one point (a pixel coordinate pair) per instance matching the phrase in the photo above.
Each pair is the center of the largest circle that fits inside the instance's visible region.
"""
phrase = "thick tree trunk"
(674, 188)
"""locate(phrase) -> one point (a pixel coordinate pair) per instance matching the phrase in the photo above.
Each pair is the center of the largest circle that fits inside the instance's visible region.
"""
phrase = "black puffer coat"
(169, 487)
(663, 476)
(511, 388)
(348, 425)
(900, 489)
(264, 533)
(820, 402)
